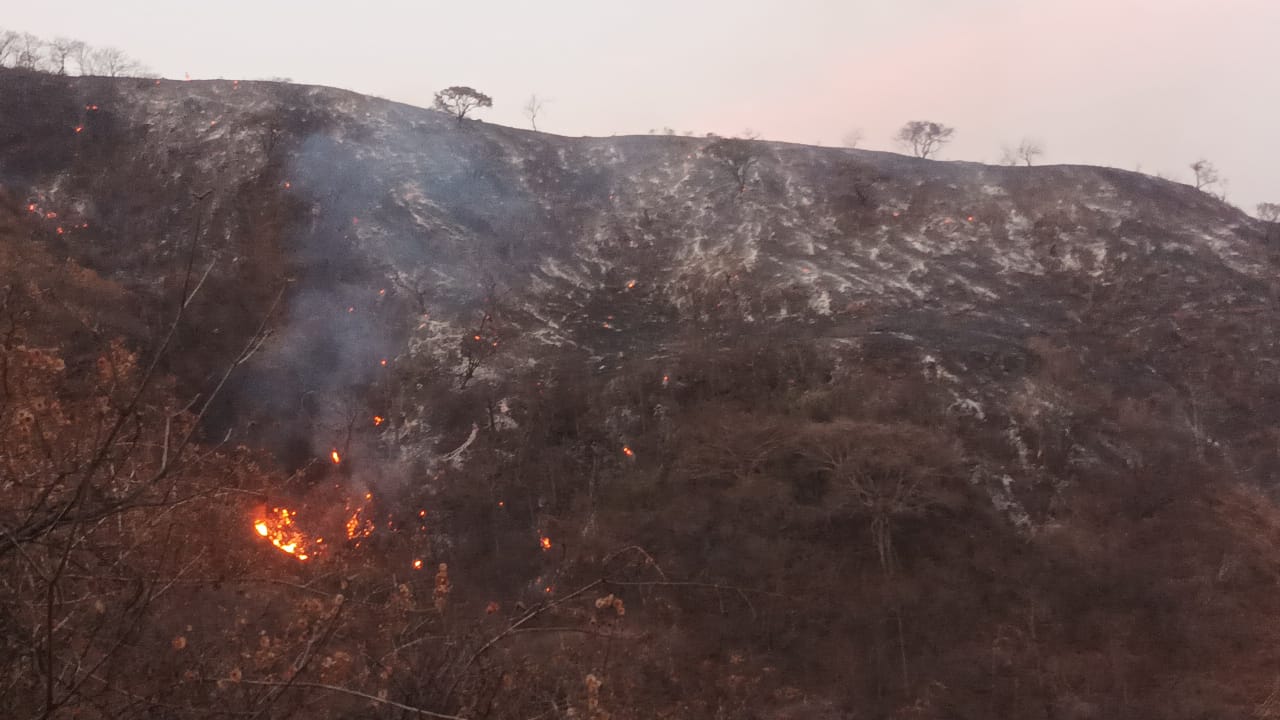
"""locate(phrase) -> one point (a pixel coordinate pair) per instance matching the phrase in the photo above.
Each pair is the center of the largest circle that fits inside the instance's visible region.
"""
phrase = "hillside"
(859, 435)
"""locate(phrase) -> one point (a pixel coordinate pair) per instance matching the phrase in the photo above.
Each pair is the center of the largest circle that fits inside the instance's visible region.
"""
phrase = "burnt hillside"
(847, 434)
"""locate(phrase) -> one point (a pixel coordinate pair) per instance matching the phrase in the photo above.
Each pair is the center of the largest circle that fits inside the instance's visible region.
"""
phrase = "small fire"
(631, 284)
(545, 542)
(422, 513)
(79, 128)
(384, 362)
(628, 451)
(378, 420)
(278, 527)
(31, 207)
(335, 457)
(417, 564)
(287, 184)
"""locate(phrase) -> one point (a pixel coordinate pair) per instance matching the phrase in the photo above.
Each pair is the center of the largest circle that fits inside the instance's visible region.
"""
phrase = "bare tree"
(853, 138)
(1025, 154)
(737, 155)
(924, 137)
(1206, 175)
(532, 108)
(460, 100)
(62, 49)
(84, 55)
(29, 52)
(8, 44)
(1269, 213)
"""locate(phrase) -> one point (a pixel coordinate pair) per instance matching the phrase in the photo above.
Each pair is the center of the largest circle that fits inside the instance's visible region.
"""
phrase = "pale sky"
(1135, 84)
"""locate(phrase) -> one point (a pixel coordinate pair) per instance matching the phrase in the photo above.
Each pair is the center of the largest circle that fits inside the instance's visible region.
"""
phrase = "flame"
(384, 362)
(545, 542)
(335, 457)
(422, 513)
(631, 284)
(628, 451)
(31, 207)
(79, 128)
(278, 527)
(377, 420)
(417, 564)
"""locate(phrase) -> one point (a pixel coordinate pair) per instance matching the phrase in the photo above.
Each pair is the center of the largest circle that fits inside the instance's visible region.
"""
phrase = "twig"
(355, 693)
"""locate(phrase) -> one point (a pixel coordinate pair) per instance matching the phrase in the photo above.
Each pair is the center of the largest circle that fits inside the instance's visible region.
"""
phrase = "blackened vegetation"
(673, 484)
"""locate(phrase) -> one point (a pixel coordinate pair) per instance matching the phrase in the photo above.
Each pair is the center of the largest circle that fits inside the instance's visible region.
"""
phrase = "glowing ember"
(422, 513)
(631, 284)
(278, 527)
(335, 457)
(417, 564)
(628, 451)
(384, 363)
(970, 218)
(377, 420)
(59, 231)
(382, 292)
(545, 542)
(287, 185)
(31, 207)
(79, 128)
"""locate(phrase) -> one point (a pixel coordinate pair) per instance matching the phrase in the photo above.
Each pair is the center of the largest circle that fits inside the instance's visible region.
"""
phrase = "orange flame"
(417, 564)
(335, 457)
(377, 420)
(545, 542)
(628, 451)
(278, 527)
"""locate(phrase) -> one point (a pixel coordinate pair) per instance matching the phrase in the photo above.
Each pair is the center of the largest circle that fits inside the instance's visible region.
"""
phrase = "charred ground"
(864, 436)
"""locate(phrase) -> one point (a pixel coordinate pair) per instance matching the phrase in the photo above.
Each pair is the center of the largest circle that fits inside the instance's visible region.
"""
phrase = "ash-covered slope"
(861, 436)
(396, 232)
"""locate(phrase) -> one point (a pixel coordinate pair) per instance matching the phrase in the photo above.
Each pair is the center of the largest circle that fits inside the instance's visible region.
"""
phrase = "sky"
(1149, 85)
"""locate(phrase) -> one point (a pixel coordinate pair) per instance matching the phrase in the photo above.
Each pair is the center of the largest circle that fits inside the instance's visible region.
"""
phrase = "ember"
(417, 564)
(79, 128)
(335, 457)
(545, 542)
(278, 527)
(628, 451)
(377, 420)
